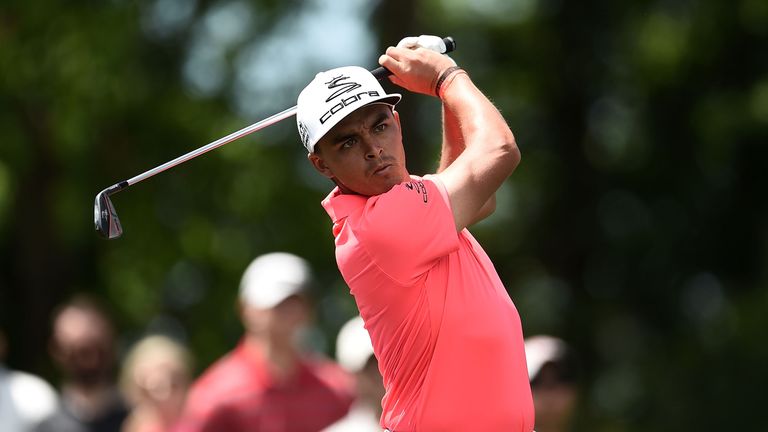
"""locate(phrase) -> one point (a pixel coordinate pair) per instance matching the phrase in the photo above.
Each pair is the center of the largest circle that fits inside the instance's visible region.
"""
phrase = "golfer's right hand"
(416, 69)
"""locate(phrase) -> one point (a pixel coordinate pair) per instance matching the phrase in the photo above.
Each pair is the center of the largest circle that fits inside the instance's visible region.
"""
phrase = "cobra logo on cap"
(343, 88)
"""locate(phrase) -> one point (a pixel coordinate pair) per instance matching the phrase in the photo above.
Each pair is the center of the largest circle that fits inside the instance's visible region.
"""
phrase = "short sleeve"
(406, 230)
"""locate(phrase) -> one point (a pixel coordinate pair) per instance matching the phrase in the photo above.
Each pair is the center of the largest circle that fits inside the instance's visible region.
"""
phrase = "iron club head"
(104, 214)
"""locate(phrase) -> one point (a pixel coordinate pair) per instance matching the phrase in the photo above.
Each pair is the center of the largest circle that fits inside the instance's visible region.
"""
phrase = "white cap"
(333, 95)
(272, 278)
(353, 345)
(540, 350)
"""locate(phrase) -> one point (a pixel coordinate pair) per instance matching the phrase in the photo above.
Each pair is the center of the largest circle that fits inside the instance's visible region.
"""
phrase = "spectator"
(25, 399)
(155, 377)
(266, 383)
(83, 347)
(354, 352)
(552, 371)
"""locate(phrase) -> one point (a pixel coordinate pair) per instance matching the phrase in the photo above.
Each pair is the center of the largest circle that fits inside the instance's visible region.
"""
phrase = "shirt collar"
(339, 205)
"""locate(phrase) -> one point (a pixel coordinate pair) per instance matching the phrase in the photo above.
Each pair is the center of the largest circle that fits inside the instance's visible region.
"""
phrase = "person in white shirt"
(354, 352)
(25, 399)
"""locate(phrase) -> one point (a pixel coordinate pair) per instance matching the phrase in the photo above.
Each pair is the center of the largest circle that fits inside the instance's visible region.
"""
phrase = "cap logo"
(343, 88)
(304, 134)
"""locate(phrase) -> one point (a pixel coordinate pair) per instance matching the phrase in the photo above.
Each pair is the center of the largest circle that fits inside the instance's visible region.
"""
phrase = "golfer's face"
(364, 152)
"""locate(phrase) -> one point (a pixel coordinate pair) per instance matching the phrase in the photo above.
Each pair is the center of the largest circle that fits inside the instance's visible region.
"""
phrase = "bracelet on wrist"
(443, 76)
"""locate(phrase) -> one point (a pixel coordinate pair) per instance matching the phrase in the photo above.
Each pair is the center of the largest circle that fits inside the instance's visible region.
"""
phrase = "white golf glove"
(434, 43)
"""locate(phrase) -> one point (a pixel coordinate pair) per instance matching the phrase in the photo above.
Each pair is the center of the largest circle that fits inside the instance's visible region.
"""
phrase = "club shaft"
(282, 115)
(380, 73)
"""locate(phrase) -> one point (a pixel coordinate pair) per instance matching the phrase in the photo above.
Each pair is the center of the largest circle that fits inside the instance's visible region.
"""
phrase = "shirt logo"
(418, 187)
(342, 88)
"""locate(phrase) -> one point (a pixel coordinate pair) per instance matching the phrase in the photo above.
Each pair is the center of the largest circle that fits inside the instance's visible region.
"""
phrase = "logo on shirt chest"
(418, 187)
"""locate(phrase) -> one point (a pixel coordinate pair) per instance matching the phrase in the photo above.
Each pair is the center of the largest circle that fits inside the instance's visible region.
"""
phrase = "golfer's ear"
(319, 165)
(397, 119)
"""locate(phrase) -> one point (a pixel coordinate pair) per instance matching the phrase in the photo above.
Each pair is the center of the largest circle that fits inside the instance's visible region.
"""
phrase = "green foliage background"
(636, 226)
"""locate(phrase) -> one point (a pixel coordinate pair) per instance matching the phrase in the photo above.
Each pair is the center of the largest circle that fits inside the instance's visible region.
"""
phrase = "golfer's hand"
(434, 43)
(416, 69)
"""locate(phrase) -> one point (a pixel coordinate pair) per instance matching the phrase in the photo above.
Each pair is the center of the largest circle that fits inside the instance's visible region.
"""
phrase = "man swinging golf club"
(445, 332)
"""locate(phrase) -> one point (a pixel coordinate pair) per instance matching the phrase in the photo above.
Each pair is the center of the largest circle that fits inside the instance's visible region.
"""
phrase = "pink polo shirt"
(446, 334)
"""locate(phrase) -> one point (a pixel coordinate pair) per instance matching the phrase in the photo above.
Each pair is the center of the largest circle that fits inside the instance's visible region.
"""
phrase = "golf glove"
(434, 43)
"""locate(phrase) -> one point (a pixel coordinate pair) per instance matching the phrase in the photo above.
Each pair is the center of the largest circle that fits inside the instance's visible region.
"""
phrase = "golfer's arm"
(489, 153)
(453, 145)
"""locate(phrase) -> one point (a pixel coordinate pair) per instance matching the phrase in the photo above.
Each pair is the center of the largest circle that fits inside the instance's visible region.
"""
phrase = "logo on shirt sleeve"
(419, 187)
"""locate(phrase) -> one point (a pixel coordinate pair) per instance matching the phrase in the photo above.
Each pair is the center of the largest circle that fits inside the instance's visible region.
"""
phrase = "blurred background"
(635, 228)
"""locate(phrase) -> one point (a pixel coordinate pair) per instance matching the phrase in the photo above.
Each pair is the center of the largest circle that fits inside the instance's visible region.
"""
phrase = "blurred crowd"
(267, 382)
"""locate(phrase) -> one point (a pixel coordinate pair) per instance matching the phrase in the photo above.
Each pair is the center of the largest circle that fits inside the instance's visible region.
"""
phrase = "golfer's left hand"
(416, 68)
(430, 42)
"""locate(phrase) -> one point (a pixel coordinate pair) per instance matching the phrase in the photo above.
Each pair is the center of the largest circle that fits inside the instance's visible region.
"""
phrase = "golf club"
(104, 214)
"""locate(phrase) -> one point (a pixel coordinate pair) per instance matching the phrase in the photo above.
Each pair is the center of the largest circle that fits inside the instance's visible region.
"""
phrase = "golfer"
(445, 332)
